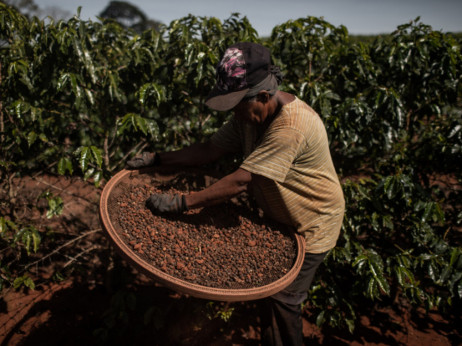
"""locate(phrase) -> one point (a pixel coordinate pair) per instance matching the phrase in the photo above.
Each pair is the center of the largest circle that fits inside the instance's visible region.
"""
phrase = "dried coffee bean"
(225, 246)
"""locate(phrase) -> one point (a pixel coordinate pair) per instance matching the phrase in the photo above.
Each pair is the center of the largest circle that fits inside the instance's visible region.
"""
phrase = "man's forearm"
(195, 155)
(224, 189)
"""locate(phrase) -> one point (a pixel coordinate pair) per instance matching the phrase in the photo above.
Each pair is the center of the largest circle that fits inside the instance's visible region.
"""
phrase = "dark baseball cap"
(242, 67)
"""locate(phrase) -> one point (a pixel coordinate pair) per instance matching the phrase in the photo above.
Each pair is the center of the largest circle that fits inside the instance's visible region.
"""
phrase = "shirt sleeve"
(276, 153)
(227, 137)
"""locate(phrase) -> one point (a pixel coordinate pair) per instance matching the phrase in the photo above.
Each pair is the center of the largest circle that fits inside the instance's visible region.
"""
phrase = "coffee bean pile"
(222, 246)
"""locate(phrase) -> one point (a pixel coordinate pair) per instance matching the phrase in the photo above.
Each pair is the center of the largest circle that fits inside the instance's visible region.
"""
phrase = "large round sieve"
(179, 285)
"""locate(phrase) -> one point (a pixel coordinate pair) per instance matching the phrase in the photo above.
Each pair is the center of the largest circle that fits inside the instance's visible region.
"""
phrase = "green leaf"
(97, 156)
(18, 282)
(43, 138)
(63, 81)
(65, 165)
(151, 92)
(390, 187)
(55, 207)
(90, 96)
(405, 276)
(3, 226)
(84, 158)
(36, 240)
(459, 289)
(360, 261)
(31, 137)
(350, 324)
(142, 93)
(387, 221)
(428, 210)
(135, 123)
(30, 237)
(432, 270)
(75, 87)
(320, 319)
(377, 272)
(140, 123)
(98, 176)
(24, 280)
(88, 173)
(371, 288)
(114, 92)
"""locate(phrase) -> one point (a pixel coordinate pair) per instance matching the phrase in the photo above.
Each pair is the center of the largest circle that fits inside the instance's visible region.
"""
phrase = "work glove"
(145, 159)
(164, 203)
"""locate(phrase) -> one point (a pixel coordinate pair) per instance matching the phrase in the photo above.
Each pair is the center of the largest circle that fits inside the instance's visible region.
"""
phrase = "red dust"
(77, 310)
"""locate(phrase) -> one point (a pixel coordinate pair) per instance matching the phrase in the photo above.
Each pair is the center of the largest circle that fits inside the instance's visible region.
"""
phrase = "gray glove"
(145, 159)
(164, 203)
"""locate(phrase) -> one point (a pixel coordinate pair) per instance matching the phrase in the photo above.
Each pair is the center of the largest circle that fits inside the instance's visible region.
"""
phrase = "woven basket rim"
(182, 286)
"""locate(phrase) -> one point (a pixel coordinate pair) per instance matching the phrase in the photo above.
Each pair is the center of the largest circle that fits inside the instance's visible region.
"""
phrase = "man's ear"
(263, 96)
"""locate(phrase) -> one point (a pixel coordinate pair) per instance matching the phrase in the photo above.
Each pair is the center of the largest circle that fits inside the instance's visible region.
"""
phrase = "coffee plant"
(77, 98)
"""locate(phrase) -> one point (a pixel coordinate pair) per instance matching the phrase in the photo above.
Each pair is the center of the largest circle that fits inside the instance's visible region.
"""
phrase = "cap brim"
(227, 101)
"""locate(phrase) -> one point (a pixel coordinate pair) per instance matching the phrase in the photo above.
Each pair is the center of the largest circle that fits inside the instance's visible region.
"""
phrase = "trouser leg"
(283, 324)
(281, 316)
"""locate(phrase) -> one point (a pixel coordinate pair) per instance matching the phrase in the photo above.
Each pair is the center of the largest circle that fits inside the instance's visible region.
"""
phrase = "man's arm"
(195, 155)
(224, 189)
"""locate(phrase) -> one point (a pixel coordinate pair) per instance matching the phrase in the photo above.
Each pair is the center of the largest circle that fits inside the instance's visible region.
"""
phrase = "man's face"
(252, 111)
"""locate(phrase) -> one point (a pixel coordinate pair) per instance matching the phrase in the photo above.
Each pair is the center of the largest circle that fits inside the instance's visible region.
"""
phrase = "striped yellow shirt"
(297, 183)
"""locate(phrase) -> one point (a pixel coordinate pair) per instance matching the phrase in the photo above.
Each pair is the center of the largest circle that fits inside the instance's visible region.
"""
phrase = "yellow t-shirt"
(301, 188)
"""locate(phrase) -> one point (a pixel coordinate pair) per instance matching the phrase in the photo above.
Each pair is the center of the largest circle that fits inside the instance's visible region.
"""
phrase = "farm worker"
(286, 165)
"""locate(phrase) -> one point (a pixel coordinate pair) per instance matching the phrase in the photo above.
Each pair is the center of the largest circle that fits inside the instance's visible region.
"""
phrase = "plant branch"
(58, 188)
(129, 152)
(61, 247)
(41, 171)
(2, 124)
(106, 151)
(73, 259)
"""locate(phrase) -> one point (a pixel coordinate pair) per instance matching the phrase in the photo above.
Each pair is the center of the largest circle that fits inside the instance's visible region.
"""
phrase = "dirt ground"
(96, 298)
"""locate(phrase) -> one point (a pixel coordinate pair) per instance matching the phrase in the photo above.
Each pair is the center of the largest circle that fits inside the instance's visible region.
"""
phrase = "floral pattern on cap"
(231, 71)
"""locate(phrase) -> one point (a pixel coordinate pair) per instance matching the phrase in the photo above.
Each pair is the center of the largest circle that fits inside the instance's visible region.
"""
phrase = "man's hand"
(145, 159)
(164, 203)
